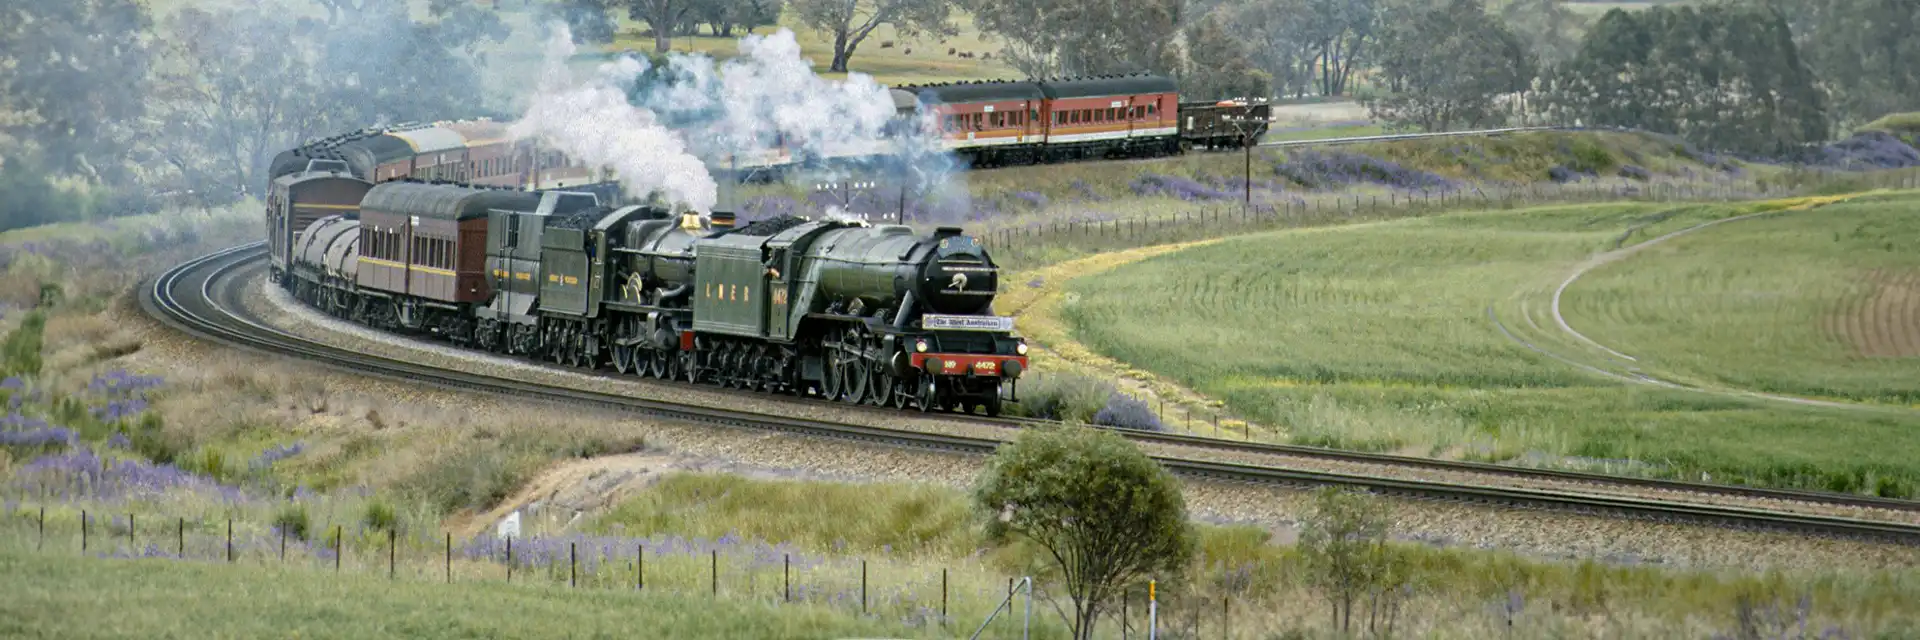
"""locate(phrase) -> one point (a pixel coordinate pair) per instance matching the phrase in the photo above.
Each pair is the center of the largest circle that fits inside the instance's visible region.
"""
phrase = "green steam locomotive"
(833, 308)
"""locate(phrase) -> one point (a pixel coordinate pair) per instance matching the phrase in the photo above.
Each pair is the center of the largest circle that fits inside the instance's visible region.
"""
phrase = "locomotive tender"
(835, 308)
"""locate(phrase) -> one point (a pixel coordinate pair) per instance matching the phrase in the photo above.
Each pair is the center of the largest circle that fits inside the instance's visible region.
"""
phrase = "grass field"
(65, 597)
(54, 590)
(1382, 337)
(1823, 304)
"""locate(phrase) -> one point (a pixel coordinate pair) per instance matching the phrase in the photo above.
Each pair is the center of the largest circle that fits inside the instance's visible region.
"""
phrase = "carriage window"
(976, 121)
(1111, 114)
(1059, 117)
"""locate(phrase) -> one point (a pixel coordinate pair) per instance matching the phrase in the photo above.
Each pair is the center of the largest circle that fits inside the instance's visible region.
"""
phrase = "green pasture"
(65, 596)
(1433, 336)
(1823, 303)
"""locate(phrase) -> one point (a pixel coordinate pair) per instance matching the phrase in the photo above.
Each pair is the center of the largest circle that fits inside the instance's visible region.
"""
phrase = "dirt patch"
(572, 490)
(1884, 323)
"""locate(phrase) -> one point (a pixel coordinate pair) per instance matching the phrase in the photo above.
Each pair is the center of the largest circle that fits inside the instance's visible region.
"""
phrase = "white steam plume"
(592, 122)
(770, 93)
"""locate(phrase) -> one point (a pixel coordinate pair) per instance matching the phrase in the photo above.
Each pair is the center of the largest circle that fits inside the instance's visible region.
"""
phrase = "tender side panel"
(563, 286)
(730, 287)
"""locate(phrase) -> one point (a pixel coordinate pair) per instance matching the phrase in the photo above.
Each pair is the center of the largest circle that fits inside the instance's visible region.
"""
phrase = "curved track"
(187, 298)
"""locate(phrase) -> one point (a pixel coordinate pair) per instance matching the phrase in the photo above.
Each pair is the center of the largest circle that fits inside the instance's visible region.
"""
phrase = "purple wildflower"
(1126, 412)
(276, 454)
(1315, 169)
(1151, 184)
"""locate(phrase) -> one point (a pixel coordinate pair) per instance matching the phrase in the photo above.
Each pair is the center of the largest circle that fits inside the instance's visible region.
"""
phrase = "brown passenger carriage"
(429, 240)
(294, 201)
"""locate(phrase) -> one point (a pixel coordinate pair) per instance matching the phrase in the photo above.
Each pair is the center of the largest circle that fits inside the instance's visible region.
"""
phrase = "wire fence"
(915, 595)
(1041, 241)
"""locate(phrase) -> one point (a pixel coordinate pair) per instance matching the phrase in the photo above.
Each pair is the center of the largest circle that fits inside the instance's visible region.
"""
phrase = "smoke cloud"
(768, 97)
(592, 122)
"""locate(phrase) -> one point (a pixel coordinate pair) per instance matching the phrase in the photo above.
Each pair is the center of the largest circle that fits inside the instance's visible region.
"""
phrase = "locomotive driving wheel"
(622, 358)
(900, 392)
(856, 373)
(831, 380)
(657, 361)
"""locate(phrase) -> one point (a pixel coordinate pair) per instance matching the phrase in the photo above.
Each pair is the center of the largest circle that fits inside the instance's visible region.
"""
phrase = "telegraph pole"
(1247, 125)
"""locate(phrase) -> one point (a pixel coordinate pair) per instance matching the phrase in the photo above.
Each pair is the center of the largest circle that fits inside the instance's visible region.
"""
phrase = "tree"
(1448, 66)
(587, 21)
(1066, 38)
(235, 91)
(1552, 31)
(72, 72)
(722, 16)
(662, 17)
(849, 22)
(1344, 546)
(1727, 77)
(1218, 65)
(1864, 52)
(1106, 514)
(1277, 43)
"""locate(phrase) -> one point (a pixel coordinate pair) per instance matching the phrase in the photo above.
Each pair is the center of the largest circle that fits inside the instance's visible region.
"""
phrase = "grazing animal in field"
(886, 44)
(950, 50)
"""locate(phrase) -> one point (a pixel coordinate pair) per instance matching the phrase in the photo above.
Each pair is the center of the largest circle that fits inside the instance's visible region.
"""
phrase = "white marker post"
(1153, 610)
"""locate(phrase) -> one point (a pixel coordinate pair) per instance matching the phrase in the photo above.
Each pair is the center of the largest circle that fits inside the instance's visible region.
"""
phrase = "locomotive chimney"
(721, 219)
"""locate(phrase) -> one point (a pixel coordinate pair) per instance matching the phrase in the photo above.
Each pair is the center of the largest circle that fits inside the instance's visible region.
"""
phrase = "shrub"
(1063, 396)
(293, 519)
(1127, 412)
(1869, 150)
(1587, 156)
(475, 478)
(21, 351)
(381, 516)
(208, 462)
(1634, 172)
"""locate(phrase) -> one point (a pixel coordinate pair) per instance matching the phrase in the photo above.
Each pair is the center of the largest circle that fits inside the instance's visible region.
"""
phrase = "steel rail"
(184, 298)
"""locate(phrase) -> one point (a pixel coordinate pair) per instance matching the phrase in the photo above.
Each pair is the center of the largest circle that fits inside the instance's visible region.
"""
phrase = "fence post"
(449, 557)
(573, 566)
(182, 533)
(509, 558)
(339, 537)
(393, 551)
(639, 567)
(229, 539)
(786, 577)
(863, 585)
(130, 530)
(42, 542)
(943, 592)
(283, 545)
(1226, 604)
(83, 531)
(713, 570)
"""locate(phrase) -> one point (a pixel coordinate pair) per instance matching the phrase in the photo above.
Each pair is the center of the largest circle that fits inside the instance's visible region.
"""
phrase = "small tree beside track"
(1107, 515)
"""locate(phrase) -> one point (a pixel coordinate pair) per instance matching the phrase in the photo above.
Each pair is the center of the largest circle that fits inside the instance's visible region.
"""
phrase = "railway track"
(187, 298)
